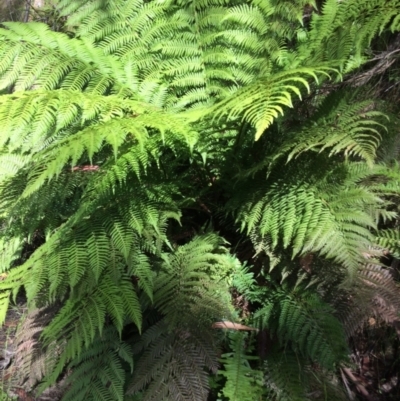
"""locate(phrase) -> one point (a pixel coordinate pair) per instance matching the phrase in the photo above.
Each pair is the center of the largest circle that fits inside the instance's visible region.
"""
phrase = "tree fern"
(138, 210)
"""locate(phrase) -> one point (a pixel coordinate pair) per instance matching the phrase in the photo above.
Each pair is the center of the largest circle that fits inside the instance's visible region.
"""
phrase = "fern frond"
(307, 324)
(33, 362)
(374, 292)
(173, 364)
(353, 130)
(242, 382)
(100, 368)
(4, 303)
(34, 120)
(384, 292)
(185, 291)
(261, 103)
(389, 239)
(299, 217)
(285, 375)
(341, 32)
(58, 61)
(80, 321)
(10, 251)
(289, 377)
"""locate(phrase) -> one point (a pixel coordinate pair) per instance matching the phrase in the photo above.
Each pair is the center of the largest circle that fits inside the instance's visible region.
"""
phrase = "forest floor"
(375, 374)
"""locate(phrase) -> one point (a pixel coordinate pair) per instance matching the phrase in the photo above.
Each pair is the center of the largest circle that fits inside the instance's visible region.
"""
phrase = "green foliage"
(261, 103)
(34, 56)
(341, 32)
(98, 373)
(174, 363)
(390, 239)
(290, 378)
(242, 382)
(352, 126)
(166, 165)
(307, 324)
(190, 296)
(190, 285)
(330, 210)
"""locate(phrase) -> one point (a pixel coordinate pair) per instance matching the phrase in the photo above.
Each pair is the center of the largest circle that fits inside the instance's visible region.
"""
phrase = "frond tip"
(261, 103)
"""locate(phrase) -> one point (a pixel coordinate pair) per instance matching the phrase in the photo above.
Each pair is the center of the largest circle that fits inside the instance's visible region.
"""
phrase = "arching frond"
(341, 32)
(34, 56)
(300, 217)
(308, 324)
(348, 129)
(390, 239)
(184, 290)
(289, 377)
(98, 373)
(263, 102)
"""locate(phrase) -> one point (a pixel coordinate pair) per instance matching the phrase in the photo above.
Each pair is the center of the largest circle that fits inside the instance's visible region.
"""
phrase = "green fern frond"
(290, 377)
(4, 303)
(302, 320)
(187, 292)
(242, 382)
(308, 221)
(389, 239)
(261, 103)
(98, 373)
(350, 129)
(341, 32)
(80, 321)
(58, 61)
(186, 289)
(10, 251)
(33, 120)
(245, 283)
(121, 234)
(286, 376)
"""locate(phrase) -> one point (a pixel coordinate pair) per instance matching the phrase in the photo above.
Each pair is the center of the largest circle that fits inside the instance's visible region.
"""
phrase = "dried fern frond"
(373, 294)
(174, 364)
(32, 362)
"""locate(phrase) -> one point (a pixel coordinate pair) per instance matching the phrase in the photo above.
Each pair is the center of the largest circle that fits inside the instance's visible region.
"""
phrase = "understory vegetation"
(199, 200)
